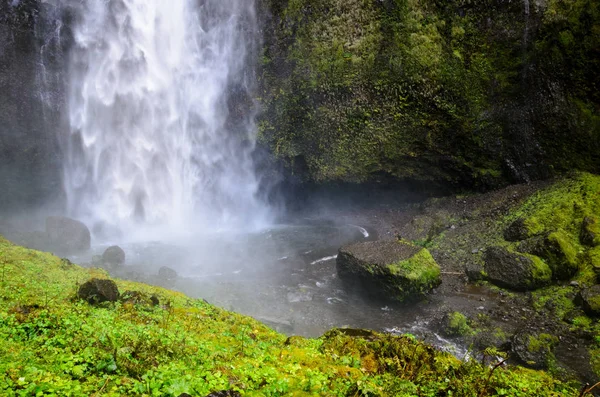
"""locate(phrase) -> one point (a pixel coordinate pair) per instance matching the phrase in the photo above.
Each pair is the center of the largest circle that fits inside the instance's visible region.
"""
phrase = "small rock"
(574, 284)
(475, 251)
(114, 256)
(97, 291)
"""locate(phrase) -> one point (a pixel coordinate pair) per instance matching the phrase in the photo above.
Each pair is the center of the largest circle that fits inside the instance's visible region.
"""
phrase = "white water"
(150, 143)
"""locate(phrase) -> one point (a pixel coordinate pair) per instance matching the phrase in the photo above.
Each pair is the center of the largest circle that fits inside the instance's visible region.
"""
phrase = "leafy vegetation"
(51, 343)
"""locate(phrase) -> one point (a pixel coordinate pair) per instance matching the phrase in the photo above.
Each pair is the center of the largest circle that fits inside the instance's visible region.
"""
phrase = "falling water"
(161, 122)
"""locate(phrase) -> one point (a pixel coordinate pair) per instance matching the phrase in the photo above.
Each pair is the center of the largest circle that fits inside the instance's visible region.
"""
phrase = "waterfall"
(161, 115)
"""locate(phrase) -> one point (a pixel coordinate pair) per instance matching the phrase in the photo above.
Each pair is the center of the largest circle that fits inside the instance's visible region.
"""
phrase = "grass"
(52, 344)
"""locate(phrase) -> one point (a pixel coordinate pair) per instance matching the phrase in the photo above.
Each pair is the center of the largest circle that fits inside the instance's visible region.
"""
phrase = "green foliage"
(53, 344)
(458, 325)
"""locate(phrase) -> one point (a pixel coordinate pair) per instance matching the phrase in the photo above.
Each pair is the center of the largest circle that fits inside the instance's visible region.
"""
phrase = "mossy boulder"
(589, 299)
(558, 251)
(518, 230)
(114, 256)
(456, 324)
(534, 350)
(590, 231)
(388, 269)
(97, 291)
(516, 271)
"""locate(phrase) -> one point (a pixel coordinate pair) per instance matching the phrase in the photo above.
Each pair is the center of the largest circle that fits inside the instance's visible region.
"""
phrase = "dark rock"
(225, 393)
(388, 269)
(114, 256)
(515, 271)
(97, 291)
(590, 232)
(67, 235)
(166, 273)
(534, 350)
(517, 231)
(474, 272)
(589, 300)
(557, 251)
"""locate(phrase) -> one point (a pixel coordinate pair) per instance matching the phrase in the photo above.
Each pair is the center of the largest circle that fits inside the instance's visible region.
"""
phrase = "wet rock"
(589, 300)
(590, 232)
(534, 350)
(113, 256)
(517, 231)
(474, 272)
(67, 235)
(97, 291)
(388, 269)
(557, 250)
(515, 271)
(166, 273)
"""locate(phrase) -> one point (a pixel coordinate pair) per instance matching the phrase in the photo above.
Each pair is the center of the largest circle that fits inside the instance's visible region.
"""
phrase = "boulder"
(67, 235)
(517, 231)
(113, 256)
(519, 272)
(166, 273)
(388, 269)
(589, 300)
(97, 291)
(590, 232)
(456, 324)
(557, 250)
(534, 350)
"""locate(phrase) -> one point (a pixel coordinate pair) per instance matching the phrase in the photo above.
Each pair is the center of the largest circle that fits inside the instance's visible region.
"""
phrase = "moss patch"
(55, 344)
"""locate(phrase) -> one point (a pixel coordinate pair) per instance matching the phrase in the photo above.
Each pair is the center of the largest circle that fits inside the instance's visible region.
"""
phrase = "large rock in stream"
(388, 269)
(519, 272)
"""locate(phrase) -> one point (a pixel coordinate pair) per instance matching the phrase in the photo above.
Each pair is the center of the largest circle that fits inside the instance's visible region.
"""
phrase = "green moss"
(421, 270)
(543, 342)
(413, 89)
(541, 273)
(54, 344)
(558, 300)
(595, 361)
(458, 325)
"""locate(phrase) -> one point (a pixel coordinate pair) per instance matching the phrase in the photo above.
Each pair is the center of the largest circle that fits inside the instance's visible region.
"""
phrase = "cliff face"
(31, 100)
(463, 92)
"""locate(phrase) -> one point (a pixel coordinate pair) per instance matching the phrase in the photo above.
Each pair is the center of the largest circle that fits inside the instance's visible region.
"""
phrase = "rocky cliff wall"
(476, 93)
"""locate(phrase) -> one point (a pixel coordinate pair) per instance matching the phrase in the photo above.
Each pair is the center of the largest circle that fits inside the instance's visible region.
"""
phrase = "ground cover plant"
(155, 342)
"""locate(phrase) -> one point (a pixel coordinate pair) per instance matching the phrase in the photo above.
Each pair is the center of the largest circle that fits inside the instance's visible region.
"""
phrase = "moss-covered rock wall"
(462, 92)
